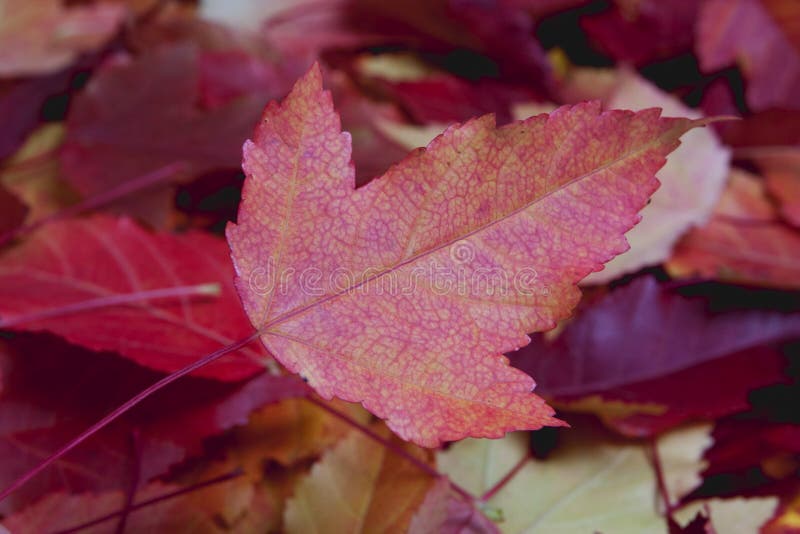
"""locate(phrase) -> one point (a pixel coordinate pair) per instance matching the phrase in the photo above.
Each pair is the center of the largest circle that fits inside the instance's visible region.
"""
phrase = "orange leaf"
(359, 486)
(403, 294)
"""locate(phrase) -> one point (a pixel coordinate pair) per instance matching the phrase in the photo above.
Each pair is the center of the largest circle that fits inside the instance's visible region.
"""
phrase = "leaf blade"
(478, 199)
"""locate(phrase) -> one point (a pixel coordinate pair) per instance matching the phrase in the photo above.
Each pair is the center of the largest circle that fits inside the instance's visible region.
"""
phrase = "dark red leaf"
(52, 391)
(644, 31)
(445, 98)
(643, 332)
(116, 134)
(12, 211)
(473, 37)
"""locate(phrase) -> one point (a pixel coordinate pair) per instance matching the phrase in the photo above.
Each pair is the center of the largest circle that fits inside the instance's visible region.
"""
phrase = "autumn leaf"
(43, 36)
(51, 391)
(763, 37)
(493, 39)
(606, 347)
(375, 490)
(391, 271)
(781, 168)
(68, 278)
(447, 512)
(745, 445)
(292, 431)
(750, 247)
(194, 513)
(32, 175)
(691, 181)
(590, 483)
(643, 31)
(479, 199)
(115, 135)
(628, 367)
(21, 103)
(732, 516)
(445, 98)
(12, 209)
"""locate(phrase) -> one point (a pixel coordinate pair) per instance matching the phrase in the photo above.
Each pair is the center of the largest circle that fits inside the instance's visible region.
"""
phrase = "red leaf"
(12, 211)
(644, 31)
(115, 135)
(226, 76)
(53, 391)
(763, 36)
(518, 200)
(741, 445)
(71, 262)
(446, 98)
(751, 246)
(686, 395)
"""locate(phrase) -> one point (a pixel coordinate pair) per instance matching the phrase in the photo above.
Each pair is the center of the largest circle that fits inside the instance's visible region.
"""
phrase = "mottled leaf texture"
(691, 181)
(75, 261)
(404, 294)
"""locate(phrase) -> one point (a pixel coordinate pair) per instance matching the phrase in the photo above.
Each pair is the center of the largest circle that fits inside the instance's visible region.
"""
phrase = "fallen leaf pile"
(437, 266)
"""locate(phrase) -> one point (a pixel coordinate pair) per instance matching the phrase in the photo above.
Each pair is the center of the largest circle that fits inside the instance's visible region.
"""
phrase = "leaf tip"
(705, 121)
(211, 289)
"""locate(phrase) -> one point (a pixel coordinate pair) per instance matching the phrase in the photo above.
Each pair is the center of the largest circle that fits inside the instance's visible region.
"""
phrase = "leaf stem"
(389, 445)
(163, 497)
(764, 151)
(101, 199)
(121, 409)
(655, 460)
(136, 458)
(208, 289)
(491, 492)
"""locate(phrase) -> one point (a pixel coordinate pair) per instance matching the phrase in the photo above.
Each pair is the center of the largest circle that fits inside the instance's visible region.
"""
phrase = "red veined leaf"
(334, 278)
(89, 264)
